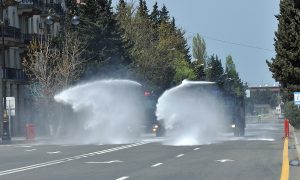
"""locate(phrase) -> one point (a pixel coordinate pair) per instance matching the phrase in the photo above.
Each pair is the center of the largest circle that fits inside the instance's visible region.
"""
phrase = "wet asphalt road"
(258, 155)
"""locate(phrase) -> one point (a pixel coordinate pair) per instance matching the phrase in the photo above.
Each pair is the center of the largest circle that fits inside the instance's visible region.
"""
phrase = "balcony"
(35, 7)
(12, 35)
(26, 38)
(13, 74)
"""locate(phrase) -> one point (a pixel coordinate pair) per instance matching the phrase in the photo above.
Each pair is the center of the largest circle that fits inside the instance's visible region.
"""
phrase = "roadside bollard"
(286, 128)
(30, 131)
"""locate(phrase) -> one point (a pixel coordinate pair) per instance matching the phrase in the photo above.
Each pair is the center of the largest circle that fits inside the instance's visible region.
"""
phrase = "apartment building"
(22, 21)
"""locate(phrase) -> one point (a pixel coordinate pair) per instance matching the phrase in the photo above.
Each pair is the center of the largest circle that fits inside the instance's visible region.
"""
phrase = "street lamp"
(75, 20)
(6, 134)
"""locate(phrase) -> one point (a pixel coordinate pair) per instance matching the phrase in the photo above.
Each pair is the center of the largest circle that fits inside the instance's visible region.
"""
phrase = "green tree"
(164, 14)
(199, 49)
(264, 97)
(215, 69)
(183, 70)
(199, 70)
(143, 9)
(173, 24)
(155, 45)
(231, 80)
(292, 113)
(230, 68)
(154, 16)
(285, 66)
(105, 43)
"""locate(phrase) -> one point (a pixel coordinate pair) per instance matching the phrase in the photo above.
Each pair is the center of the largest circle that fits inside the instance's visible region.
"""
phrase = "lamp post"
(6, 134)
(75, 20)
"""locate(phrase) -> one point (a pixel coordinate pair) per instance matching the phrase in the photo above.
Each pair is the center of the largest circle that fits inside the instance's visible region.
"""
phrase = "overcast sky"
(243, 28)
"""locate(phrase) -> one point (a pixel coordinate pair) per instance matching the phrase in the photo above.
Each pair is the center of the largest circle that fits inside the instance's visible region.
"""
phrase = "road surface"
(258, 155)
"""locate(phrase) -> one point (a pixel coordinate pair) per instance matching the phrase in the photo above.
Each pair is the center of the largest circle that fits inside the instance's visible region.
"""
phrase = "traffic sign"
(297, 98)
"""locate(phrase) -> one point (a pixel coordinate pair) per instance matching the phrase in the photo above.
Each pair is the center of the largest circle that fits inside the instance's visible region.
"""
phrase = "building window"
(11, 90)
(14, 19)
(15, 59)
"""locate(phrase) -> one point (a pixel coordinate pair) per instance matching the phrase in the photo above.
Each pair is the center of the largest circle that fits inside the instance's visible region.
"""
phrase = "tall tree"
(164, 14)
(230, 69)
(199, 49)
(155, 14)
(105, 42)
(143, 9)
(286, 64)
(173, 24)
(215, 69)
(231, 80)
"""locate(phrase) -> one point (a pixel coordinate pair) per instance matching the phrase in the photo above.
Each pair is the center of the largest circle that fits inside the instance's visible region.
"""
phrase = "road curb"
(296, 142)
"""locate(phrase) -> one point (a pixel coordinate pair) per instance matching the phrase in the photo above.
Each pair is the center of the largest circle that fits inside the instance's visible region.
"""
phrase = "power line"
(237, 44)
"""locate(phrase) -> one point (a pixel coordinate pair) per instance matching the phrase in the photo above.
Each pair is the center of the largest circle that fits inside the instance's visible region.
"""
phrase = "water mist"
(190, 117)
(109, 111)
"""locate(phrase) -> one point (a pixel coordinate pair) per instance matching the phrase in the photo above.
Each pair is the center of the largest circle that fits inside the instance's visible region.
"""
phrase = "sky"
(242, 28)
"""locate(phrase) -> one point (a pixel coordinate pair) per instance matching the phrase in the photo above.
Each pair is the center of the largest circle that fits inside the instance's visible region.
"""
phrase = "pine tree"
(164, 15)
(154, 16)
(105, 43)
(173, 24)
(286, 64)
(72, 7)
(215, 69)
(143, 9)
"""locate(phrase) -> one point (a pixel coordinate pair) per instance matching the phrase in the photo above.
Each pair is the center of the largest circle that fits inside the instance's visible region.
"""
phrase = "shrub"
(292, 113)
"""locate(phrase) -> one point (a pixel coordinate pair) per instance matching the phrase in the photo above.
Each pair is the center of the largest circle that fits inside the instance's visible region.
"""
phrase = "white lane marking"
(196, 149)
(35, 166)
(225, 160)
(105, 162)
(59, 161)
(23, 146)
(29, 150)
(53, 152)
(122, 178)
(180, 155)
(66, 145)
(260, 139)
(158, 164)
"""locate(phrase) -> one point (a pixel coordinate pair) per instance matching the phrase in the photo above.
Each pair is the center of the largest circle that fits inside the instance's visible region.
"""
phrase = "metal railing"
(41, 5)
(26, 37)
(11, 32)
(13, 74)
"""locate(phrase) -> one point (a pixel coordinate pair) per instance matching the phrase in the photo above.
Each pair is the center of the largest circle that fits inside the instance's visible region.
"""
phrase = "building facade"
(22, 22)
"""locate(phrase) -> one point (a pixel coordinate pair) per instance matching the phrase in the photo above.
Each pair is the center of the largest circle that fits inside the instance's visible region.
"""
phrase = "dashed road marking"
(196, 149)
(64, 160)
(180, 155)
(23, 146)
(224, 160)
(29, 150)
(122, 178)
(105, 162)
(158, 164)
(54, 152)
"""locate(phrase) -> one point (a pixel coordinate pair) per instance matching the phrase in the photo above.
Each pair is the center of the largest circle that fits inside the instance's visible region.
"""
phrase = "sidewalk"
(294, 152)
(296, 134)
(23, 140)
